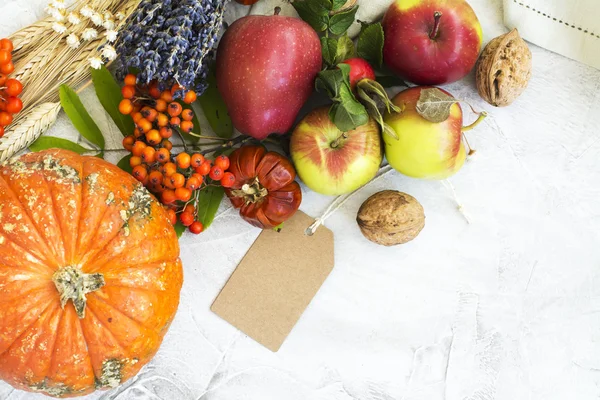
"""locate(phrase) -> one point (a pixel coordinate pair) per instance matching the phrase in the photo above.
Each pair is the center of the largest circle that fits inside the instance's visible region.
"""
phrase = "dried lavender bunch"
(171, 41)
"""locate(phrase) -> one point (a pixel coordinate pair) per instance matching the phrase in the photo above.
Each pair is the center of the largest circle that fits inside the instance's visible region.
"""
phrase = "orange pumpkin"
(90, 274)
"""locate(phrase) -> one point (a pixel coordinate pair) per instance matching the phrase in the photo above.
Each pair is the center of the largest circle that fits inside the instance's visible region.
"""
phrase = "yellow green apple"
(333, 162)
(421, 148)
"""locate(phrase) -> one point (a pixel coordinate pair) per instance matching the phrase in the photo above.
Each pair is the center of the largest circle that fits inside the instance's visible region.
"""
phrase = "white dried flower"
(89, 34)
(97, 19)
(111, 36)
(73, 18)
(59, 28)
(109, 24)
(60, 4)
(109, 53)
(57, 15)
(73, 41)
(108, 15)
(86, 11)
(96, 62)
(120, 16)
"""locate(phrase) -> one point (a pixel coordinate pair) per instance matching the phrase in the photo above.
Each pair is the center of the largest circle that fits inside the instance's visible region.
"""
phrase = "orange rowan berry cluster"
(10, 88)
(175, 179)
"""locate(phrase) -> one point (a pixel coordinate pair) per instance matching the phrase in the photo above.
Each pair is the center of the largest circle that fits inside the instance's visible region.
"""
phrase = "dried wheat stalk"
(34, 123)
(44, 61)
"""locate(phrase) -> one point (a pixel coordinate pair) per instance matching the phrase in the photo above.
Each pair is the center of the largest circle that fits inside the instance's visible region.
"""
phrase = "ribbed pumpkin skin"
(60, 209)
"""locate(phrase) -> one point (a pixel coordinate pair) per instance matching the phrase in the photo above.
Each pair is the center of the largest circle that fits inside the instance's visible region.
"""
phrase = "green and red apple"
(431, 42)
(333, 162)
(266, 69)
(424, 149)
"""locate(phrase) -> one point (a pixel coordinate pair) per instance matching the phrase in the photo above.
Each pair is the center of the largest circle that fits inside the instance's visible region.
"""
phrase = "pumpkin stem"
(74, 284)
(251, 192)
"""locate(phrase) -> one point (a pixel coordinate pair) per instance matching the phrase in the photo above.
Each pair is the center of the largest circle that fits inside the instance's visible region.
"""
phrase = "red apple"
(333, 162)
(266, 68)
(431, 42)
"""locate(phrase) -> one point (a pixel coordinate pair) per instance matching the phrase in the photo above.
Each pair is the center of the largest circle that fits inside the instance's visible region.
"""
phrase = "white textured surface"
(506, 308)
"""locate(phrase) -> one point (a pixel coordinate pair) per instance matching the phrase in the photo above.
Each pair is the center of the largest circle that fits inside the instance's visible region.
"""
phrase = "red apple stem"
(436, 25)
(277, 10)
(336, 143)
(480, 118)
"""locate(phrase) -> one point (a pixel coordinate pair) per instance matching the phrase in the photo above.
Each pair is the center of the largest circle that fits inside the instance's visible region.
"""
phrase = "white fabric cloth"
(567, 27)
(504, 308)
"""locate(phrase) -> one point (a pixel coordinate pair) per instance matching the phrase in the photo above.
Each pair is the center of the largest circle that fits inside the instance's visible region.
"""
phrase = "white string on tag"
(459, 205)
(339, 202)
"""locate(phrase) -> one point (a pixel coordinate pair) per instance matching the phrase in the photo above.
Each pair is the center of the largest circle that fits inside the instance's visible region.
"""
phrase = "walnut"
(390, 218)
(503, 69)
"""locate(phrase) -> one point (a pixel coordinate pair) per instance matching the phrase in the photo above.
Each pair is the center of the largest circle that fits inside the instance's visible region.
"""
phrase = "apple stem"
(480, 118)
(436, 25)
(335, 144)
(277, 10)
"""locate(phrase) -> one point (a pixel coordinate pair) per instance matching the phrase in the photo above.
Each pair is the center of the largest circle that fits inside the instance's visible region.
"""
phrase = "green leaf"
(214, 108)
(340, 22)
(348, 114)
(179, 228)
(79, 116)
(390, 81)
(208, 204)
(314, 12)
(337, 4)
(335, 51)
(370, 44)
(51, 142)
(109, 94)
(124, 164)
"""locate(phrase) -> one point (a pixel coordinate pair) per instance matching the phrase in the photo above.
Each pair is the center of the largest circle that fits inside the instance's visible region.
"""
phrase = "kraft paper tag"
(277, 279)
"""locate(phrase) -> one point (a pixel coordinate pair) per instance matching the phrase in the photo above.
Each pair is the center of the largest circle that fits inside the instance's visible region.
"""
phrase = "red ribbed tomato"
(264, 188)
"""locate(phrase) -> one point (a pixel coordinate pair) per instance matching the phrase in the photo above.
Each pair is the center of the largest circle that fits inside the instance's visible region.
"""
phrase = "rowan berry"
(14, 105)
(153, 137)
(187, 126)
(134, 161)
(190, 97)
(177, 180)
(125, 107)
(168, 196)
(186, 219)
(13, 87)
(192, 183)
(228, 180)
(166, 143)
(5, 57)
(166, 132)
(128, 92)
(169, 169)
(183, 160)
(216, 173)
(183, 194)
(140, 172)
(128, 142)
(172, 216)
(7, 68)
(196, 160)
(222, 162)
(196, 227)
(3, 79)
(5, 118)
(6, 44)
(204, 169)
(1, 131)
(149, 155)
(160, 105)
(137, 117)
(175, 122)
(144, 125)
(153, 90)
(163, 155)
(155, 177)
(149, 113)
(174, 109)
(166, 96)
(138, 148)
(176, 87)
(162, 120)
(190, 209)
(187, 114)
(130, 80)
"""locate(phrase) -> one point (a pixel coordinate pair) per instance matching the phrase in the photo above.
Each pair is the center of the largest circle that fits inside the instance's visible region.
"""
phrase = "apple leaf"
(337, 4)
(124, 164)
(109, 94)
(214, 108)
(51, 142)
(340, 22)
(388, 81)
(79, 116)
(208, 204)
(434, 105)
(314, 12)
(179, 228)
(370, 44)
(335, 51)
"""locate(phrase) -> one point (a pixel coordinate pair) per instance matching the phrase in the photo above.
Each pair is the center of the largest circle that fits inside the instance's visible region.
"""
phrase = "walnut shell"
(503, 69)
(390, 218)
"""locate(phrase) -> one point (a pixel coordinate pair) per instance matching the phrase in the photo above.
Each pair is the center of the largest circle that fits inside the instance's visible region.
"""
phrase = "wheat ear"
(36, 122)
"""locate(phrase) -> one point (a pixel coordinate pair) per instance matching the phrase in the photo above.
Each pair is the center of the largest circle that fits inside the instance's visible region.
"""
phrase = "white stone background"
(506, 307)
